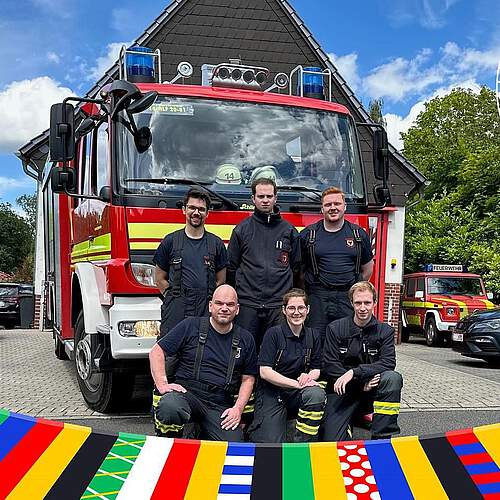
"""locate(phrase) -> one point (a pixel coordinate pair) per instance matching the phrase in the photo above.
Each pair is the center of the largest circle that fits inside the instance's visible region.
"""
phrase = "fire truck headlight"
(144, 274)
(139, 328)
(451, 311)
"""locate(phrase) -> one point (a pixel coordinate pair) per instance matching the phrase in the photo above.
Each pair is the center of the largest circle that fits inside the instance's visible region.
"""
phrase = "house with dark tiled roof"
(267, 33)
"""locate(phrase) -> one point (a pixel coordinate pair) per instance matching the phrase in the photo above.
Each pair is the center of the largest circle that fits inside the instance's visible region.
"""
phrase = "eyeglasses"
(192, 208)
(292, 309)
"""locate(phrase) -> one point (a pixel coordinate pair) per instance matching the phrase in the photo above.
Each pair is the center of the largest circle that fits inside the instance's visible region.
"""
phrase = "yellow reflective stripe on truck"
(425, 305)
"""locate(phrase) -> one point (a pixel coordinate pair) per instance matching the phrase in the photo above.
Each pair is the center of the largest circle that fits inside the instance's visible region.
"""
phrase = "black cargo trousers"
(385, 401)
(275, 405)
(202, 404)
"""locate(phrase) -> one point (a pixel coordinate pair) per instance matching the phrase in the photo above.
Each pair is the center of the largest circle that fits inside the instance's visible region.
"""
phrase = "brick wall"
(36, 319)
(392, 302)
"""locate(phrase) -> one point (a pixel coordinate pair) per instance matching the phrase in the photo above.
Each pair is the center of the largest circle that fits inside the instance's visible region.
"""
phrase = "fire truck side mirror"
(380, 154)
(62, 179)
(62, 132)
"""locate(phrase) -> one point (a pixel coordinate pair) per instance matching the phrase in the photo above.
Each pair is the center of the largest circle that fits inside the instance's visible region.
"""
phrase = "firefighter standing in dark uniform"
(358, 362)
(217, 360)
(289, 361)
(336, 254)
(264, 254)
(190, 264)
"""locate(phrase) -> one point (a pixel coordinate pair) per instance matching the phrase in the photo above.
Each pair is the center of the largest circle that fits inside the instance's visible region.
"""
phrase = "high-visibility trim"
(44, 473)
(326, 471)
(463, 307)
(322, 383)
(386, 407)
(168, 427)
(249, 409)
(92, 258)
(417, 469)
(310, 415)
(210, 457)
(487, 303)
(297, 484)
(489, 436)
(144, 474)
(422, 305)
(307, 429)
(414, 319)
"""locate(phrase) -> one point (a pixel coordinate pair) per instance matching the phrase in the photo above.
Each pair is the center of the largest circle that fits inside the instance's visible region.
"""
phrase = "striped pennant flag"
(237, 472)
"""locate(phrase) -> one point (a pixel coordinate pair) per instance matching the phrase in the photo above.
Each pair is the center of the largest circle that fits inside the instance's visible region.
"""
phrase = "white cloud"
(430, 14)
(24, 109)
(60, 8)
(397, 124)
(53, 57)
(402, 78)
(348, 68)
(8, 184)
(105, 62)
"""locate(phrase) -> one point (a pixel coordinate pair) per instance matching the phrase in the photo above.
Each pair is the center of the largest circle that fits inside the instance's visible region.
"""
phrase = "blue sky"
(403, 51)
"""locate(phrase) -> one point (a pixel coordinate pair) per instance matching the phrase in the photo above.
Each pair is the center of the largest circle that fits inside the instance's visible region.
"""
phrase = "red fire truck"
(120, 164)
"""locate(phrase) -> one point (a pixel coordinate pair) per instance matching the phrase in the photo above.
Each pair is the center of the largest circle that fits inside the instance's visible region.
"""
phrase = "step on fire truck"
(120, 164)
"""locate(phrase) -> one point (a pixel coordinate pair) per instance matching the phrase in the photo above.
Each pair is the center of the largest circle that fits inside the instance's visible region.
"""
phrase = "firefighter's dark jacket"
(368, 350)
(263, 253)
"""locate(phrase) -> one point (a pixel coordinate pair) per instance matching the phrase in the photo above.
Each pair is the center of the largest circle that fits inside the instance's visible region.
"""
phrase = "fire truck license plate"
(458, 337)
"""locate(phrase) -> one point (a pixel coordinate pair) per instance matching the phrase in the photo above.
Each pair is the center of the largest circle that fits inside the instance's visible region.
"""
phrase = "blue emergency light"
(313, 83)
(140, 67)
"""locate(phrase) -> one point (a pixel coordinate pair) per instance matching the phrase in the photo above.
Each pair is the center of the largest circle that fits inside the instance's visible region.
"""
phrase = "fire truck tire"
(103, 392)
(433, 337)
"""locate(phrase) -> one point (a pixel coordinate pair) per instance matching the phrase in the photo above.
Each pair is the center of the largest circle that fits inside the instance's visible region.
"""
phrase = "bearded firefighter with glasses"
(289, 364)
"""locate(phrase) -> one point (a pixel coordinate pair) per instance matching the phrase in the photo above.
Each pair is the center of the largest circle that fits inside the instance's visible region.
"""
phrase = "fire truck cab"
(121, 163)
(435, 299)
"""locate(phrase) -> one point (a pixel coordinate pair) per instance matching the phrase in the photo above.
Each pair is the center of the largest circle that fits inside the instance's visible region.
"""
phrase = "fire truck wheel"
(433, 337)
(103, 392)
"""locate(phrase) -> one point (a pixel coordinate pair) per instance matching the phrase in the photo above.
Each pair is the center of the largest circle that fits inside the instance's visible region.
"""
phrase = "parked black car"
(16, 305)
(478, 336)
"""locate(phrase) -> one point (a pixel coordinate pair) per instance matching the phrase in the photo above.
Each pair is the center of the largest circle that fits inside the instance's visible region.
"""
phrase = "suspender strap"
(210, 263)
(311, 242)
(235, 342)
(176, 262)
(357, 243)
(202, 339)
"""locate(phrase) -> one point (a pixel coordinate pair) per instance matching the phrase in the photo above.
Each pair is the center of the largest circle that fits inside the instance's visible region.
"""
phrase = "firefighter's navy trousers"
(386, 398)
(274, 405)
(201, 404)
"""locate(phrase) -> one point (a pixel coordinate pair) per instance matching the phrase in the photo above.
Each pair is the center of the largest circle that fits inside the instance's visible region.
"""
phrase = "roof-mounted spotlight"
(184, 70)
(235, 75)
(281, 81)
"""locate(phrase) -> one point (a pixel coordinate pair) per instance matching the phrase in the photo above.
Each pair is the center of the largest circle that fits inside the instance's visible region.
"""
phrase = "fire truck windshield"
(455, 286)
(227, 144)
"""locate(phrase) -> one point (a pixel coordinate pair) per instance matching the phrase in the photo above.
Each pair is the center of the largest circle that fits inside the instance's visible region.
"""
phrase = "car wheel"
(433, 337)
(103, 391)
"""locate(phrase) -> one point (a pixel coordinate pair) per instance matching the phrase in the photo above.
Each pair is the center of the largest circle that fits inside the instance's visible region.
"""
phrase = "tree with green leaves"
(455, 143)
(16, 243)
(375, 110)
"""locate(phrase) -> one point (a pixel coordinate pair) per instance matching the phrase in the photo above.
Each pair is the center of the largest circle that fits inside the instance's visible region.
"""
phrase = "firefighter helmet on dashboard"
(227, 173)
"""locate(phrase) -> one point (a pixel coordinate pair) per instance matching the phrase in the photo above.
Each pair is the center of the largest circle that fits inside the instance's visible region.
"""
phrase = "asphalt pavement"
(442, 390)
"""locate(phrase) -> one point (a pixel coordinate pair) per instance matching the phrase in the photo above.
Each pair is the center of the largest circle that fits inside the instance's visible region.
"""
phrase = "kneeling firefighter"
(216, 360)
(289, 363)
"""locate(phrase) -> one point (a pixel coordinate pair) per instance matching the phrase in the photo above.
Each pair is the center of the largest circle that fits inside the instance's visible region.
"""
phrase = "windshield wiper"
(317, 192)
(186, 182)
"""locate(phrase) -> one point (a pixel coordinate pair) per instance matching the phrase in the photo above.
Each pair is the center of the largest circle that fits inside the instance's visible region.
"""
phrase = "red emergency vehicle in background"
(435, 299)
(115, 184)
